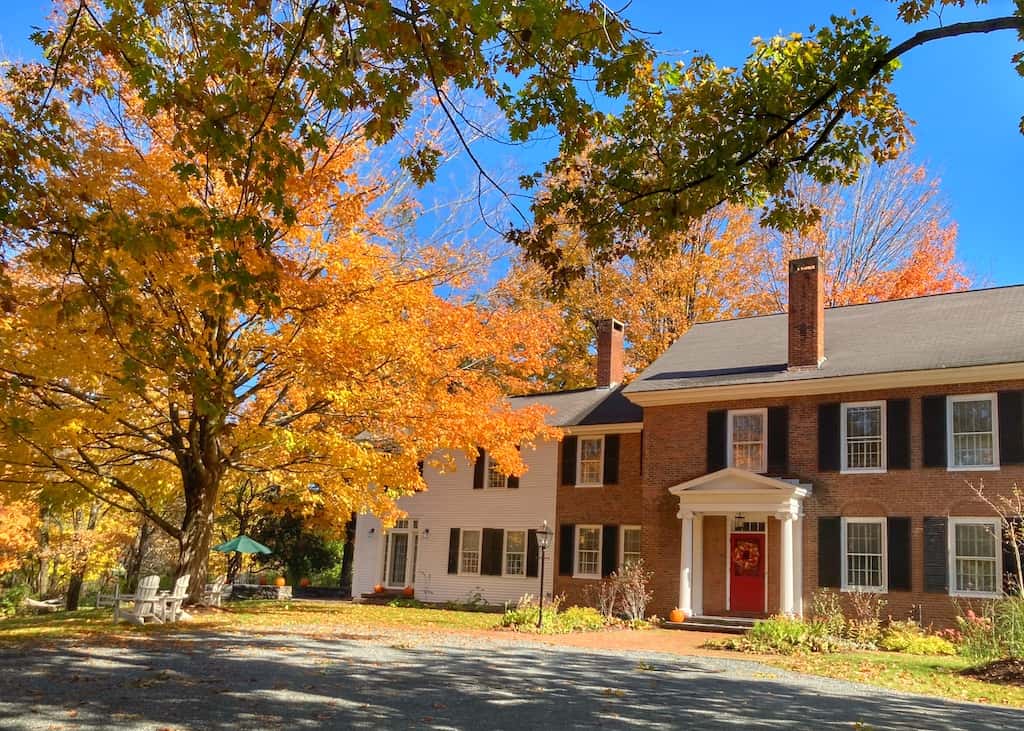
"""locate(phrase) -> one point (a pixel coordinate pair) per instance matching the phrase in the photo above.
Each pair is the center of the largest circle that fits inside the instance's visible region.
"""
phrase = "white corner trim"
(827, 384)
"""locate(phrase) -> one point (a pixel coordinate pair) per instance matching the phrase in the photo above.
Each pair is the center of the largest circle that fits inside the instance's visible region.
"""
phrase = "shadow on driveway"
(229, 681)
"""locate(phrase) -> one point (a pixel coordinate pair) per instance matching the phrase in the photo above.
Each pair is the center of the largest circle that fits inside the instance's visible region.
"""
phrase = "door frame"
(729, 520)
(411, 549)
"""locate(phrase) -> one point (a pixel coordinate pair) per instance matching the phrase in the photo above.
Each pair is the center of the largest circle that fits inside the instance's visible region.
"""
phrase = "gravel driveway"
(206, 680)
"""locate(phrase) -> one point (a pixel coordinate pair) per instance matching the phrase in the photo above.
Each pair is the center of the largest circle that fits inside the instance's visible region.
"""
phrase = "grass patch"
(259, 615)
(935, 676)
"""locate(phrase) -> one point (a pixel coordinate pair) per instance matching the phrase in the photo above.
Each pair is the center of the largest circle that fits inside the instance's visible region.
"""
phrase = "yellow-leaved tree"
(168, 323)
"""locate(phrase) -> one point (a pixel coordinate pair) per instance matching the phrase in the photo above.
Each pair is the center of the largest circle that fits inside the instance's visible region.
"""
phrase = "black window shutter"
(1011, 427)
(828, 437)
(513, 482)
(566, 546)
(933, 431)
(936, 563)
(897, 437)
(778, 440)
(490, 551)
(532, 553)
(609, 549)
(611, 459)
(419, 467)
(478, 469)
(569, 461)
(830, 562)
(717, 424)
(898, 533)
(453, 551)
(1011, 581)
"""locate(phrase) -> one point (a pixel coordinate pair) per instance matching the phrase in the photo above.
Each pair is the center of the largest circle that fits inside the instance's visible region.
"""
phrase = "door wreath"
(746, 556)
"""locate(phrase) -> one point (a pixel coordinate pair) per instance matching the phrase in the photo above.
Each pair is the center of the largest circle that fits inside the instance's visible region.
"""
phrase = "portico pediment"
(736, 490)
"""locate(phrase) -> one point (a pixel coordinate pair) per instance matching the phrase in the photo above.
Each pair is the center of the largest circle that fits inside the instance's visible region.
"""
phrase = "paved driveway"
(230, 681)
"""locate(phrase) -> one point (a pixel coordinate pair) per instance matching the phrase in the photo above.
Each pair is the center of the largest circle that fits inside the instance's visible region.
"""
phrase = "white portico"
(749, 503)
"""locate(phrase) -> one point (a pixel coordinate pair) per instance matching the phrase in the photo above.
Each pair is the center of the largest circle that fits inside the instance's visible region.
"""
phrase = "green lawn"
(266, 615)
(938, 676)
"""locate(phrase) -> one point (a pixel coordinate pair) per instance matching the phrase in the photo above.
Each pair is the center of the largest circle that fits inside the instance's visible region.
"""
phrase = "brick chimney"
(806, 313)
(611, 336)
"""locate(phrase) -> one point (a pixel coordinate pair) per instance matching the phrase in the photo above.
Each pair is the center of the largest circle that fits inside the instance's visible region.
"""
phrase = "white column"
(786, 564)
(686, 566)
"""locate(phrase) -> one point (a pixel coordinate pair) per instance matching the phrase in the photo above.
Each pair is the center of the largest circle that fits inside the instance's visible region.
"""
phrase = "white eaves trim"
(835, 384)
(596, 430)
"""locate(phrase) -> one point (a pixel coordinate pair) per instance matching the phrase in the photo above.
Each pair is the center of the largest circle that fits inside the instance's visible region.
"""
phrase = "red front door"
(746, 572)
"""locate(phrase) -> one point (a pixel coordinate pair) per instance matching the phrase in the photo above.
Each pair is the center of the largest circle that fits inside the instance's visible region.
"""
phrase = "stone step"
(726, 625)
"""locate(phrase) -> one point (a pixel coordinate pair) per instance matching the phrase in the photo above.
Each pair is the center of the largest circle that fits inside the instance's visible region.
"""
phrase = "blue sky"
(963, 94)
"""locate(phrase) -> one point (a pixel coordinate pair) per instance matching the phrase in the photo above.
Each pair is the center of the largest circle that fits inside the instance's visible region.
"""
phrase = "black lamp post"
(543, 541)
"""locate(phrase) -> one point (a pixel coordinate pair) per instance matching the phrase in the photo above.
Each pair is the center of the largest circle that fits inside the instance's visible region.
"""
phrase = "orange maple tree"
(19, 521)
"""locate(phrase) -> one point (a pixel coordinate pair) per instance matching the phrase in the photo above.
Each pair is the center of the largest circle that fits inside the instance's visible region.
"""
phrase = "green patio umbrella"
(242, 544)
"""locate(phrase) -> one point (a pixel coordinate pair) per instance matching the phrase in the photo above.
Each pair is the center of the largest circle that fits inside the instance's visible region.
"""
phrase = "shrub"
(523, 617)
(11, 599)
(406, 602)
(783, 635)
(827, 611)
(865, 629)
(634, 591)
(995, 634)
(979, 641)
(605, 595)
(908, 636)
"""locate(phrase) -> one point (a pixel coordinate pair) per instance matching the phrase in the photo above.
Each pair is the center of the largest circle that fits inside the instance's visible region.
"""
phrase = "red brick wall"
(608, 505)
(715, 532)
(675, 451)
(806, 312)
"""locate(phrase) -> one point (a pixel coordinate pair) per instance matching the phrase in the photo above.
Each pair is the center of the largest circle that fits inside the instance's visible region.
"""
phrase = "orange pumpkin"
(279, 581)
(677, 615)
(303, 582)
(378, 589)
(408, 591)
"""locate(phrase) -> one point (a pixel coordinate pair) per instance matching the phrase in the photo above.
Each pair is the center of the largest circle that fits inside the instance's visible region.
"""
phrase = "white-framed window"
(975, 551)
(590, 462)
(494, 478)
(588, 552)
(972, 426)
(515, 553)
(748, 439)
(629, 542)
(863, 436)
(864, 559)
(469, 552)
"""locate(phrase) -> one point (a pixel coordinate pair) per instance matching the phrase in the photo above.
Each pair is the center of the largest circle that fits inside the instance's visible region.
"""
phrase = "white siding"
(451, 502)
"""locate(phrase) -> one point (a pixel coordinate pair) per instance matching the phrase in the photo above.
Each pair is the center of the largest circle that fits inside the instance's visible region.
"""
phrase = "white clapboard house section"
(471, 534)
(460, 542)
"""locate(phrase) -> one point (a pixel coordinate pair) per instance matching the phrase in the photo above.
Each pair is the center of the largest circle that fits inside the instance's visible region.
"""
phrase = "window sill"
(587, 576)
(980, 468)
(588, 485)
(872, 471)
(865, 589)
(977, 594)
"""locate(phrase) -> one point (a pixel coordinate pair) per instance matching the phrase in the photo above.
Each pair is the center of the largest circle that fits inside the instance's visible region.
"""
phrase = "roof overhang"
(826, 385)
(733, 490)
(633, 427)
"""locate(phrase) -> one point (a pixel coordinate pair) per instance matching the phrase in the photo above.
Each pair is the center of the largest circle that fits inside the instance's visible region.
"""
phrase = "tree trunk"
(348, 556)
(137, 554)
(74, 590)
(197, 534)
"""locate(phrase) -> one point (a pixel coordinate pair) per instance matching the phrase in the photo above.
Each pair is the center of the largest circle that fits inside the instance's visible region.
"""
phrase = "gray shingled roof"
(981, 327)
(582, 407)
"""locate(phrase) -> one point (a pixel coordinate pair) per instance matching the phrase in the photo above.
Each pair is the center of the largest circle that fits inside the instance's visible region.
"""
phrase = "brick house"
(832, 448)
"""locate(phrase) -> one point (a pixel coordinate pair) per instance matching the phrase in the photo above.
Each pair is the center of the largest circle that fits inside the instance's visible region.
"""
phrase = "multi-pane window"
(975, 555)
(972, 431)
(864, 437)
(496, 479)
(630, 545)
(515, 553)
(748, 439)
(591, 461)
(864, 554)
(470, 554)
(588, 551)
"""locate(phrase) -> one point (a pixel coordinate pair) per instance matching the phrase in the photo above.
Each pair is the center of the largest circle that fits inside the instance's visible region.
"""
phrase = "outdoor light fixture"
(372, 531)
(544, 536)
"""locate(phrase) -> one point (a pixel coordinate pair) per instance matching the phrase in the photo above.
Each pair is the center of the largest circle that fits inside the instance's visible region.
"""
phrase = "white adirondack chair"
(213, 596)
(169, 606)
(143, 601)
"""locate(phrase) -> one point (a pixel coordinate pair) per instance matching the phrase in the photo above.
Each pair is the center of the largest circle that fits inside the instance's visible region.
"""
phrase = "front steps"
(725, 625)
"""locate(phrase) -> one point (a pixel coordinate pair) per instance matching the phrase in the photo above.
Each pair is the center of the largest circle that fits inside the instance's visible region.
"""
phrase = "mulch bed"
(1007, 672)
